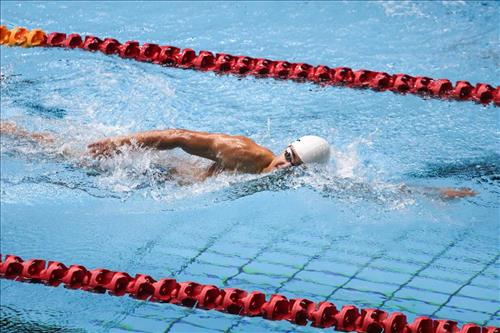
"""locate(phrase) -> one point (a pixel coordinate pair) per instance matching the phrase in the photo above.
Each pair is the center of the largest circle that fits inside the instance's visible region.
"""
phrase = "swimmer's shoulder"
(258, 151)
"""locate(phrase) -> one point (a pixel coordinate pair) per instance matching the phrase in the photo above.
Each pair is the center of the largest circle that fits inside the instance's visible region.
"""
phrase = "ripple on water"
(59, 204)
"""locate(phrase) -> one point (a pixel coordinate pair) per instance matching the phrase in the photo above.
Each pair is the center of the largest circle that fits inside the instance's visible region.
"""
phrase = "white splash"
(401, 8)
(172, 176)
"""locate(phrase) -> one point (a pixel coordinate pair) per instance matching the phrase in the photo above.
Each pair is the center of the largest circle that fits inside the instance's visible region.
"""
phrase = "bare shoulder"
(241, 152)
(244, 142)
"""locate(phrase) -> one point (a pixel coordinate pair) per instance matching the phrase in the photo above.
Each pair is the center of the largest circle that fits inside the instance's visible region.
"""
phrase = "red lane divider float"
(243, 65)
(302, 72)
(298, 311)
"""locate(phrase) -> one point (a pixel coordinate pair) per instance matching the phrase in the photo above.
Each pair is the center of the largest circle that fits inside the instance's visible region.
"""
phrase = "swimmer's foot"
(456, 193)
(8, 127)
(11, 128)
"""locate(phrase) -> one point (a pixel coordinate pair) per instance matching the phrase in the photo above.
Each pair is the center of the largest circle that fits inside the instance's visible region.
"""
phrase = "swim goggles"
(289, 156)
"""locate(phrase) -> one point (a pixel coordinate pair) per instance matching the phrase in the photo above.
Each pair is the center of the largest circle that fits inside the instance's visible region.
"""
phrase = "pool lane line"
(322, 250)
(240, 270)
(211, 241)
(494, 316)
(187, 58)
(298, 311)
(428, 264)
(467, 283)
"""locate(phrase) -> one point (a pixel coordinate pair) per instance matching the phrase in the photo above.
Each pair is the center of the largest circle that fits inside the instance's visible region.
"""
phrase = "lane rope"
(299, 311)
(167, 55)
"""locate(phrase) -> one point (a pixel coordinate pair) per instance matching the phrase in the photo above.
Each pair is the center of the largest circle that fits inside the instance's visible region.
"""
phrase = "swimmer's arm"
(195, 143)
(446, 193)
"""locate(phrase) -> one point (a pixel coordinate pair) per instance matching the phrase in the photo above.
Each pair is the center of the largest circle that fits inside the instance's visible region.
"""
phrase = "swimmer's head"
(306, 150)
(310, 149)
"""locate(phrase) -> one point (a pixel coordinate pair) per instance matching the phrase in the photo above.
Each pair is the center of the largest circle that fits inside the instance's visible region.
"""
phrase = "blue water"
(349, 233)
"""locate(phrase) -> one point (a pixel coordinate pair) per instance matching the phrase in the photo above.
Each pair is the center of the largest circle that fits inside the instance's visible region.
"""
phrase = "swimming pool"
(346, 234)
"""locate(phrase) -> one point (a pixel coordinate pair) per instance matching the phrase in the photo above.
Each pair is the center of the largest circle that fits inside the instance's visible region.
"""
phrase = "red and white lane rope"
(259, 67)
(299, 311)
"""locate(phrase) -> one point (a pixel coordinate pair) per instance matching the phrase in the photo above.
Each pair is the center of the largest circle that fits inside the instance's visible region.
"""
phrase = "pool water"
(361, 231)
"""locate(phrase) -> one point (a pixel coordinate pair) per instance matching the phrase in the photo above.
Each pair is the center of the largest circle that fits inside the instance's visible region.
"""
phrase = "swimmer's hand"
(455, 193)
(444, 193)
(107, 147)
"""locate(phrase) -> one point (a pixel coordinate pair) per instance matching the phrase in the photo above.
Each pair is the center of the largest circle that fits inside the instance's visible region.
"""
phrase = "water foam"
(171, 176)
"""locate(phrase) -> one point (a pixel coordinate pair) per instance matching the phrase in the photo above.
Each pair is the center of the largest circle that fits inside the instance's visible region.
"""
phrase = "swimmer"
(227, 152)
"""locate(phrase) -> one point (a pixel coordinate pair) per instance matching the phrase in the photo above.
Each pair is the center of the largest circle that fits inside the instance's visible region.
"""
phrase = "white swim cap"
(312, 149)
